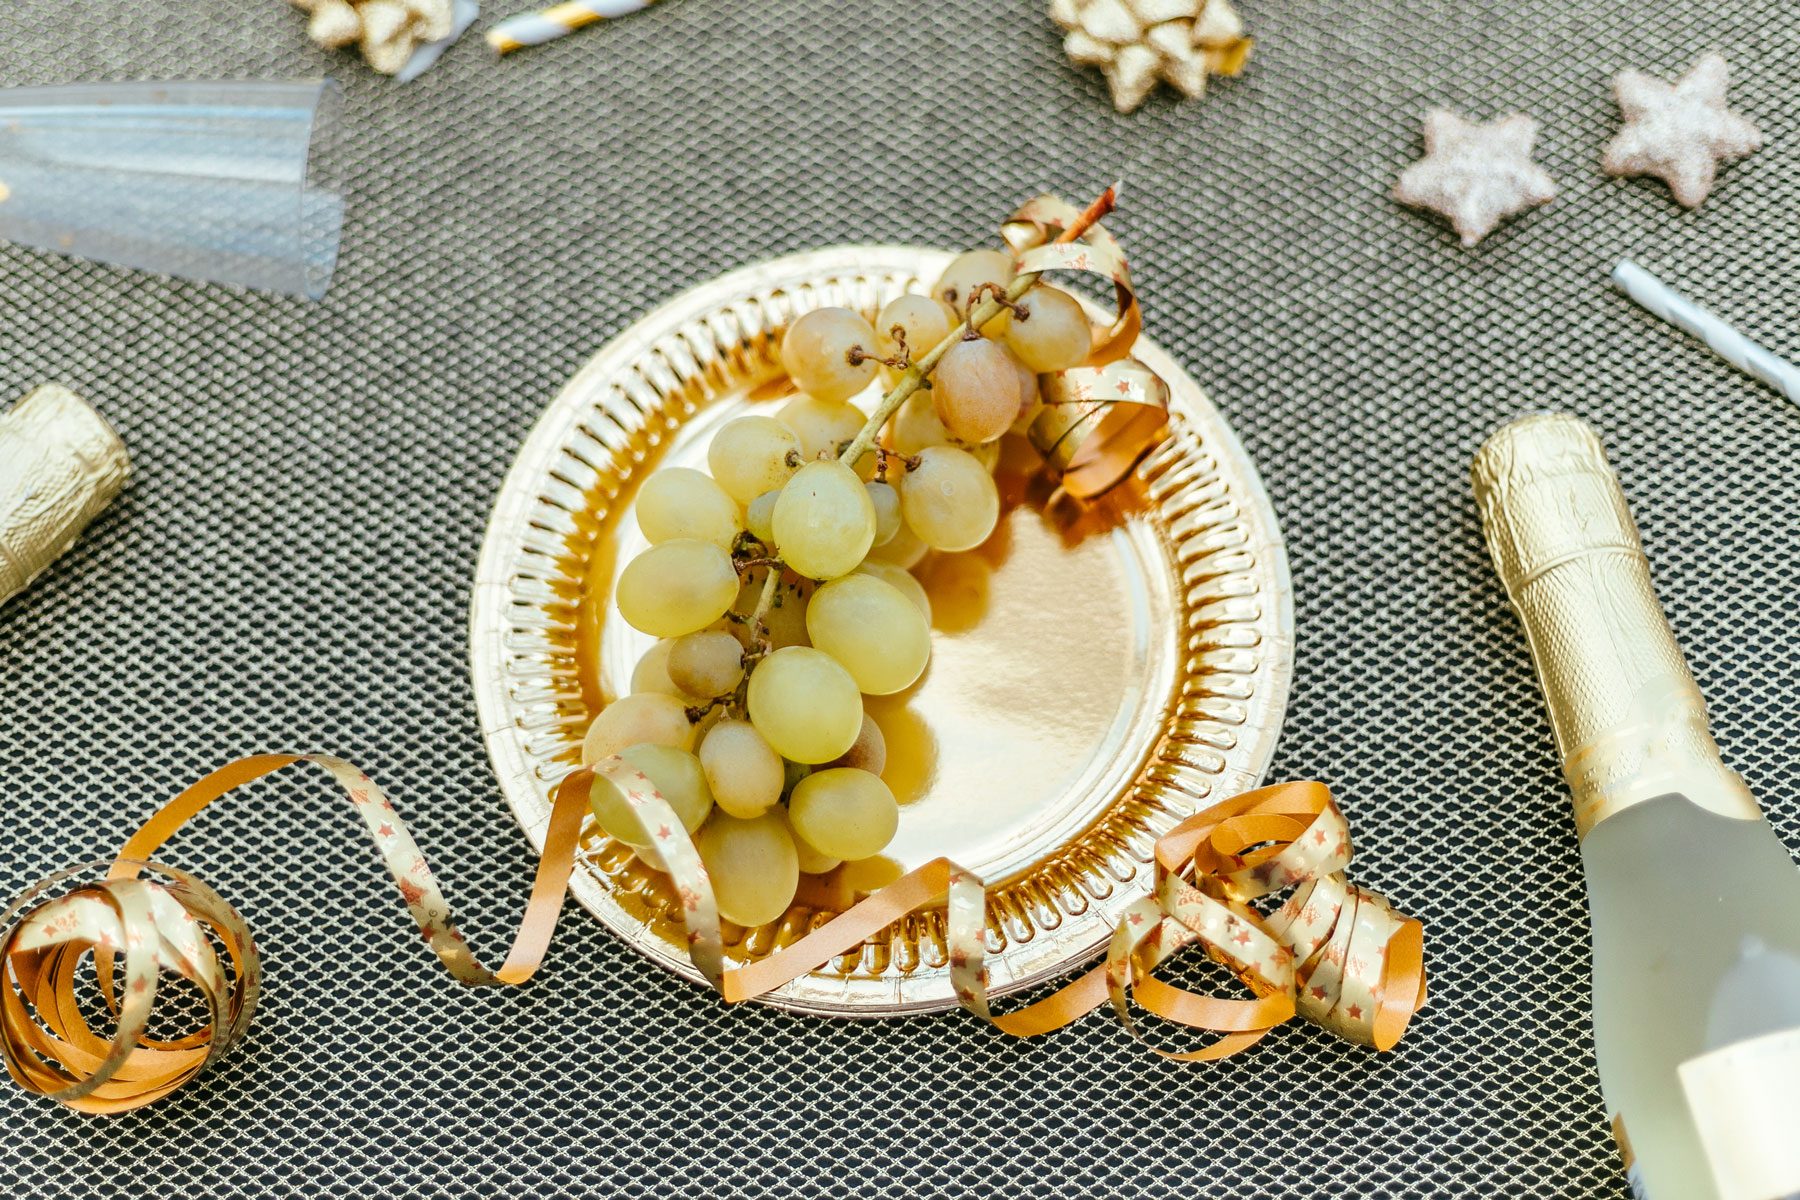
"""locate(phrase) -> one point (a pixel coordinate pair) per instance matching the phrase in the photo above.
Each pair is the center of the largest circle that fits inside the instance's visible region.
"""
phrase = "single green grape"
(707, 664)
(824, 521)
(976, 390)
(873, 630)
(805, 704)
(753, 455)
(844, 812)
(829, 353)
(870, 751)
(1050, 331)
(949, 499)
(680, 502)
(810, 860)
(823, 426)
(631, 720)
(743, 770)
(899, 578)
(917, 426)
(678, 779)
(904, 549)
(759, 518)
(652, 673)
(677, 587)
(886, 500)
(752, 865)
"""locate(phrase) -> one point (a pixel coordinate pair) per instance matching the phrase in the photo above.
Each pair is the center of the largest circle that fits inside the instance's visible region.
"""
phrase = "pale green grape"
(870, 751)
(652, 673)
(1050, 331)
(810, 860)
(680, 502)
(759, 518)
(923, 320)
(950, 500)
(900, 578)
(805, 704)
(677, 587)
(823, 426)
(904, 549)
(976, 390)
(829, 353)
(966, 272)
(886, 500)
(643, 717)
(871, 628)
(678, 779)
(844, 813)
(743, 770)
(753, 455)
(707, 664)
(752, 865)
(824, 521)
(916, 425)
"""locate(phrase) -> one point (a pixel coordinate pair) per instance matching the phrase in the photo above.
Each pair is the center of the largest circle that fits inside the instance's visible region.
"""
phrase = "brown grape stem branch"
(916, 374)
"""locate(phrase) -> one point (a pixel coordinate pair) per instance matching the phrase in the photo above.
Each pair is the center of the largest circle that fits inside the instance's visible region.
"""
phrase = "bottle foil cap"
(1629, 721)
(1547, 495)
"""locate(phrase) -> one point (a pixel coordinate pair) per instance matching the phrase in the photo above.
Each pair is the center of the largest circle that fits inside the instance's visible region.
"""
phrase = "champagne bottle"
(1694, 902)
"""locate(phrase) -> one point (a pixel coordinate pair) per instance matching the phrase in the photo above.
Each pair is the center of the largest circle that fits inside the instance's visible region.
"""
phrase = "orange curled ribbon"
(1098, 419)
(1331, 952)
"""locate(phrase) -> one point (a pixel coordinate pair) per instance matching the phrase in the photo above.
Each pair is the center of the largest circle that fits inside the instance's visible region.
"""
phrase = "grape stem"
(759, 629)
(915, 376)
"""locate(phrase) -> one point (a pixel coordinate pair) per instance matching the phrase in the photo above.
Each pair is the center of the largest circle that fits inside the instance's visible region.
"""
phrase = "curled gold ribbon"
(1332, 952)
(1101, 418)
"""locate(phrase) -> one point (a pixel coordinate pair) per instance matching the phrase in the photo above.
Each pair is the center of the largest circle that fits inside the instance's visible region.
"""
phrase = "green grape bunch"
(780, 582)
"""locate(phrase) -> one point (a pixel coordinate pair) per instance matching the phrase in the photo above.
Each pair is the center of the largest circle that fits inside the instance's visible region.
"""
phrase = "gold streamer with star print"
(1100, 418)
(1331, 952)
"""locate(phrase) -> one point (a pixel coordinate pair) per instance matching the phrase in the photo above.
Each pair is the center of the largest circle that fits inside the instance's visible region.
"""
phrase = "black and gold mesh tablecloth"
(292, 570)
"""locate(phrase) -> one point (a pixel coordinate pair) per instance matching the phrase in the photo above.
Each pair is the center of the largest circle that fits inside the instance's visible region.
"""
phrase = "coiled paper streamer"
(1332, 952)
(1101, 418)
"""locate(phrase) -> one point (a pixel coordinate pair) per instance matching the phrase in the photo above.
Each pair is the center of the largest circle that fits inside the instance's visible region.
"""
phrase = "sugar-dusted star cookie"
(1476, 175)
(1679, 132)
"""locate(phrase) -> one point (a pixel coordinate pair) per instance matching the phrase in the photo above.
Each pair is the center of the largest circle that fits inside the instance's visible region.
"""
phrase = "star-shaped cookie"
(1476, 175)
(1679, 132)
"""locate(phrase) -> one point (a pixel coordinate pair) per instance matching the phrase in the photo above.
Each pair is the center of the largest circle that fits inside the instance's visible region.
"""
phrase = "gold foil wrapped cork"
(1629, 720)
(61, 464)
(1139, 43)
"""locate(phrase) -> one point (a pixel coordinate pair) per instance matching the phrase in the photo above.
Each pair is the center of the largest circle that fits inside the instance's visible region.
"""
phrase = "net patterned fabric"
(291, 570)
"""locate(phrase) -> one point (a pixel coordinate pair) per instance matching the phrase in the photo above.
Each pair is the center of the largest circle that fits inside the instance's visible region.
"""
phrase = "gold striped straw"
(536, 28)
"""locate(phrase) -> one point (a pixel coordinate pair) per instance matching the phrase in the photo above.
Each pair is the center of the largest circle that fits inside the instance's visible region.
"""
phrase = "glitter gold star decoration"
(1679, 132)
(1138, 43)
(1476, 175)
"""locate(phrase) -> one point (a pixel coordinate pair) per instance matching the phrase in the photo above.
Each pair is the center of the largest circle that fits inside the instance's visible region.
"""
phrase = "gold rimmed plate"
(1098, 672)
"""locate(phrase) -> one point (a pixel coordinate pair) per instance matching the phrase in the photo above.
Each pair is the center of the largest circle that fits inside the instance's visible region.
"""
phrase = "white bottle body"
(1696, 931)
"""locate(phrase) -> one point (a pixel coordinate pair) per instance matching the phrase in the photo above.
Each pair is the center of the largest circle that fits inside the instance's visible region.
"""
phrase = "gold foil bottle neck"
(1630, 723)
